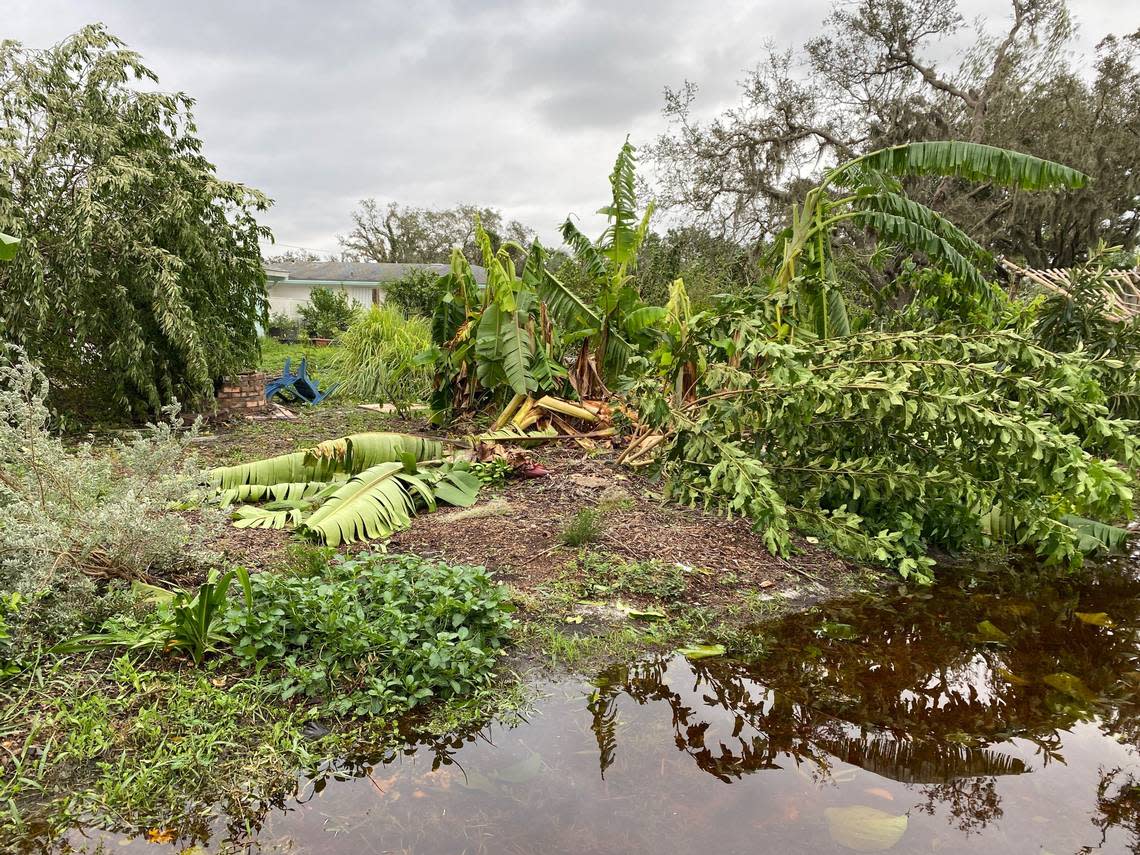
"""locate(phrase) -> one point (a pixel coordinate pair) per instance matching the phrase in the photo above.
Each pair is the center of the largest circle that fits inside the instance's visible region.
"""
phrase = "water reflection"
(969, 720)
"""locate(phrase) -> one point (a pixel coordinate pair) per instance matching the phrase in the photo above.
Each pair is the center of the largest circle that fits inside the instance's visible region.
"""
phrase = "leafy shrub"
(416, 293)
(70, 516)
(328, 313)
(283, 327)
(375, 634)
(886, 443)
(584, 527)
(376, 360)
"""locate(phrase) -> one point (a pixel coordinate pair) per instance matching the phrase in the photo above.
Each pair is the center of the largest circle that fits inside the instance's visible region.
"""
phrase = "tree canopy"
(408, 234)
(138, 279)
(869, 81)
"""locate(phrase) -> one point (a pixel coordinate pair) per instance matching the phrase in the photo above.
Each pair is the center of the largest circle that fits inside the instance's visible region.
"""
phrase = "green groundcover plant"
(375, 634)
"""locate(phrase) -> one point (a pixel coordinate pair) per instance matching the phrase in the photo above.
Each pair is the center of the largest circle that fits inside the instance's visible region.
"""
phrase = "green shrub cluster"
(328, 313)
(375, 634)
(75, 517)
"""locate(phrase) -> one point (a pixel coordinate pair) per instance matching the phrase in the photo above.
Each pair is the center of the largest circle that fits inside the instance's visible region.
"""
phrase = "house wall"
(287, 297)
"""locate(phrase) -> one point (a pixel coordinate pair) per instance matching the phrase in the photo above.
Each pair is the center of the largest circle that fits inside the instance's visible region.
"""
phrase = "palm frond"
(972, 161)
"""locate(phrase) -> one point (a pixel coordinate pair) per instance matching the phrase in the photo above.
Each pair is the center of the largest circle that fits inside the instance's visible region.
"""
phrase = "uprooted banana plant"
(358, 487)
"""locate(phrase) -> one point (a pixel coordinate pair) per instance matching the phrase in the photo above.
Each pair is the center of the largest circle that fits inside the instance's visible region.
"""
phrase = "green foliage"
(889, 443)
(71, 514)
(872, 198)
(492, 342)
(606, 576)
(9, 605)
(620, 321)
(375, 634)
(376, 360)
(416, 293)
(354, 488)
(138, 280)
(586, 526)
(189, 624)
(283, 327)
(493, 473)
(328, 313)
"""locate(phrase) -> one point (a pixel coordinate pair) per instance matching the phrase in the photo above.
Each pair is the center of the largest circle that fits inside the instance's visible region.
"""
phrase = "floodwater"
(964, 720)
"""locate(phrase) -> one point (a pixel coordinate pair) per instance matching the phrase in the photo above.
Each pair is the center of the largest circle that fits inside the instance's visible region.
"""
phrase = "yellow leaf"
(865, 829)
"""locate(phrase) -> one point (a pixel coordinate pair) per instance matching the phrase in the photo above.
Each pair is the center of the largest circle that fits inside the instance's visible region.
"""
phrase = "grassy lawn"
(274, 354)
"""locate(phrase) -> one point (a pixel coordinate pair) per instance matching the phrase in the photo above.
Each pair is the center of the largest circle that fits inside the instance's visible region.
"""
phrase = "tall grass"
(376, 358)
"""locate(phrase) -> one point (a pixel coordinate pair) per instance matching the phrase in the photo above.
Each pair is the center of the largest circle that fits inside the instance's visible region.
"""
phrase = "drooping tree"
(138, 279)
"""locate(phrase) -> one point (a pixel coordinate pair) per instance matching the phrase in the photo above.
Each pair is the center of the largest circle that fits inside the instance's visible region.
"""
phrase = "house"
(289, 283)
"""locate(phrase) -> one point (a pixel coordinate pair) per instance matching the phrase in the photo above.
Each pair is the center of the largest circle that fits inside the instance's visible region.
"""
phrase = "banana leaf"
(373, 504)
(250, 516)
(283, 469)
(359, 451)
(1096, 536)
(272, 492)
(973, 161)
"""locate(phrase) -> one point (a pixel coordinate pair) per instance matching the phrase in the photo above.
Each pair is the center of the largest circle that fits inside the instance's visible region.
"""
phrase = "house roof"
(364, 272)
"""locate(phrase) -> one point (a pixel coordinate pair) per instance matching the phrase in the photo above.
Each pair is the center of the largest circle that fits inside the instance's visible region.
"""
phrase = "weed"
(586, 526)
(605, 576)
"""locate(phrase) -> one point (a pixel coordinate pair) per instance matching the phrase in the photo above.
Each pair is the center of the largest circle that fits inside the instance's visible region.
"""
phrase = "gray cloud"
(520, 105)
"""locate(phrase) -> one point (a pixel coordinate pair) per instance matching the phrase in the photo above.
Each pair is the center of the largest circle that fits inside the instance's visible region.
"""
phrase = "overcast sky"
(520, 106)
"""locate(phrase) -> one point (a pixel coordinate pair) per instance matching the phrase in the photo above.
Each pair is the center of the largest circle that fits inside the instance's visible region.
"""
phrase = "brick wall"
(243, 395)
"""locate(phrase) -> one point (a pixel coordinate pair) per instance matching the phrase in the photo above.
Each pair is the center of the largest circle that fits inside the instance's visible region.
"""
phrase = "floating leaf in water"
(1094, 618)
(1069, 684)
(865, 829)
(159, 835)
(522, 771)
(835, 629)
(990, 634)
(476, 780)
(701, 651)
(1010, 677)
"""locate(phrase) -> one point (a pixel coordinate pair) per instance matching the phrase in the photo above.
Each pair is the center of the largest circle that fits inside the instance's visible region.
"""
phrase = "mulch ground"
(515, 530)
(517, 533)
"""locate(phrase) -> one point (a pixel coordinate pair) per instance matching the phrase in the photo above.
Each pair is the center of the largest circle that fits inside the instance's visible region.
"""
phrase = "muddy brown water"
(998, 717)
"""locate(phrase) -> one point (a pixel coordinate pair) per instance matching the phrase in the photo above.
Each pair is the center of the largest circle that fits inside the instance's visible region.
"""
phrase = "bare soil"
(515, 530)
